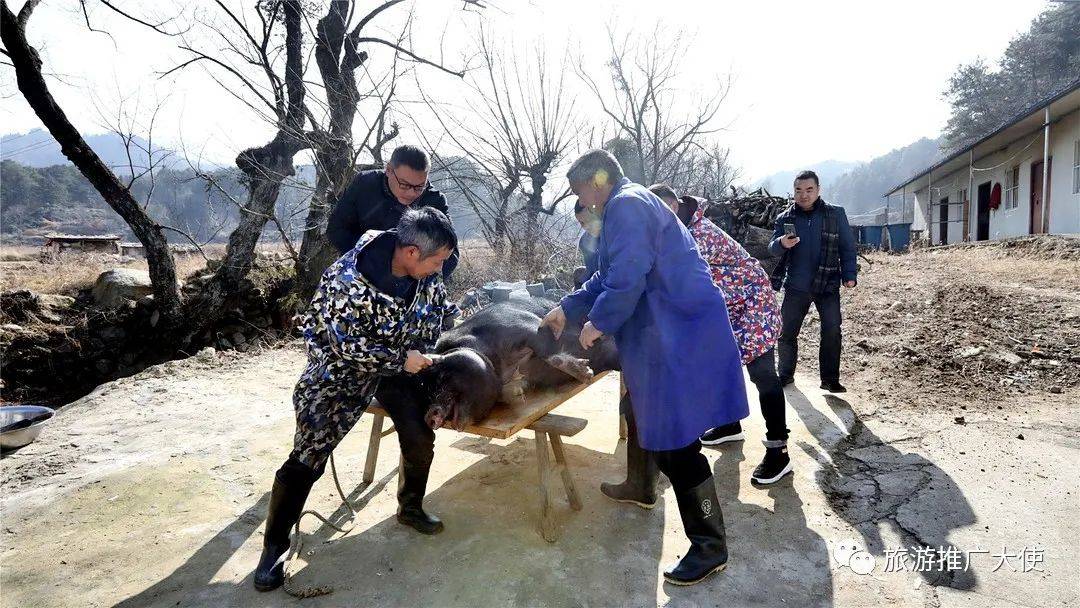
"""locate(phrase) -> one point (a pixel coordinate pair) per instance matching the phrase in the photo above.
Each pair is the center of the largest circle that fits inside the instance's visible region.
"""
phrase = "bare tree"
(31, 82)
(658, 128)
(339, 54)
(271, 79)
(264, 167)
(520, 128)
(710, 171)
(144, 163)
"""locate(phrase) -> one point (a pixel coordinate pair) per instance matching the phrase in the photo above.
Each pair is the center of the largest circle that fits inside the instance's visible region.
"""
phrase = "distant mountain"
(861, 189)
(780, 183)
(38, 149)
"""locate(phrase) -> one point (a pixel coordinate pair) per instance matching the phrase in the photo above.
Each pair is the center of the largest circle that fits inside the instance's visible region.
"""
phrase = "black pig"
(499, 352)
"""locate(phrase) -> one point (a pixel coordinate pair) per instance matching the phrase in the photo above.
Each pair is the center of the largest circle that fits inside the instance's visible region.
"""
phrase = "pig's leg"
(513, 389)
(553, 353)
(576, 368)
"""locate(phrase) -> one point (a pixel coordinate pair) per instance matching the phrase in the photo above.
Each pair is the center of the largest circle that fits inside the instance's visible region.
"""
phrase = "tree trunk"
(337, 57)
(316, 251)
(264, 168)
(32, 85)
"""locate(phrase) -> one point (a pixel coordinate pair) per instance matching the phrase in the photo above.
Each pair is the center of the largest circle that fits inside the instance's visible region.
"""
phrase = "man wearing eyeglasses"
(376, 200)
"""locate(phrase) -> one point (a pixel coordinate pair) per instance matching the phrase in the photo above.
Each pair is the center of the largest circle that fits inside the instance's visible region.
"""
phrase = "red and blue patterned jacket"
(748, 293)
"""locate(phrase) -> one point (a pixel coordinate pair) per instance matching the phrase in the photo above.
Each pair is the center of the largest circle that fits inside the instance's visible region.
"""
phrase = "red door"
(1040, 205)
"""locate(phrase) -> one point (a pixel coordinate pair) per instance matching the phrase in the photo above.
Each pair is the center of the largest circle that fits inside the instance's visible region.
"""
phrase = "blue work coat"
(654, 294)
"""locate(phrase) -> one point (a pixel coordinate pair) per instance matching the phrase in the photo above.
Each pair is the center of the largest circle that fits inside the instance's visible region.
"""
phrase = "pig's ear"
(514, 360)
(436, 359)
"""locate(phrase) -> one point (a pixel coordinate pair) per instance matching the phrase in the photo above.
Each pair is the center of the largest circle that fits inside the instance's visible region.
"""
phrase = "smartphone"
(789, 230)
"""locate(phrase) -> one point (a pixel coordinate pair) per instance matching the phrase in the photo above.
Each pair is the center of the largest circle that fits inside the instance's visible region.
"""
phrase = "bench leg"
(564, 469)
(543, 461)
(373, 448)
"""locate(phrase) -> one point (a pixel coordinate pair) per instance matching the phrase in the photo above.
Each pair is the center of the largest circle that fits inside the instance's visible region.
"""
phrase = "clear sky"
(811, 80)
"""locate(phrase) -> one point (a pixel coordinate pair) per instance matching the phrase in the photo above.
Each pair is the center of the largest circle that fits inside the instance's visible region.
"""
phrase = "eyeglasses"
(404, 185)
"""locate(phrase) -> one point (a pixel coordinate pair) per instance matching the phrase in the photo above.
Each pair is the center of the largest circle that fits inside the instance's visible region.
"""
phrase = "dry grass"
(1004, 266)
(18, 253)
(71, 272)
(21, 267)
(982, 327)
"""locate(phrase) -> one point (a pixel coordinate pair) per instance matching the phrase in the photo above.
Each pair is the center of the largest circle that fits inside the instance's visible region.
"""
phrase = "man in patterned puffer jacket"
(377, 310)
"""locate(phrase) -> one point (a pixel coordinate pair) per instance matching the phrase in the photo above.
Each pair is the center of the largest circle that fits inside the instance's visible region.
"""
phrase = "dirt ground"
(152, 490)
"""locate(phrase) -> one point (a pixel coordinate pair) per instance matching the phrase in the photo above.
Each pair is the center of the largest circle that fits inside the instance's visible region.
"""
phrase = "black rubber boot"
(411, 499)
(292, 484)
(704, 526)
(641, 474)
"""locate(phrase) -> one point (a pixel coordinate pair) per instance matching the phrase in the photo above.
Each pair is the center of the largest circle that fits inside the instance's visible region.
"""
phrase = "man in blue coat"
(653, 293)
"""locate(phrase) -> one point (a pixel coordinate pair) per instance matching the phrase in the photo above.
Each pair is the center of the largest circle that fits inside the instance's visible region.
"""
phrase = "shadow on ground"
(871, 483)
(775, 558)
(490, 553)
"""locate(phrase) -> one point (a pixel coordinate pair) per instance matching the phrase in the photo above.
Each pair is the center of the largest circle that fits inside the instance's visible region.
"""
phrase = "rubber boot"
(641, 474)
(704, 526)
(411, 499)
(292, 484)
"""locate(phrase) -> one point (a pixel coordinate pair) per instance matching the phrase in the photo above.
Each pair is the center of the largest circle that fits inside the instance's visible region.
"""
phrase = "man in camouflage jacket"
(377, 310)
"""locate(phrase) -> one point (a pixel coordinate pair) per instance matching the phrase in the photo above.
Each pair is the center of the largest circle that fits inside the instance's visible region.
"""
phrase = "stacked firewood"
(736, 212)
(749, 217)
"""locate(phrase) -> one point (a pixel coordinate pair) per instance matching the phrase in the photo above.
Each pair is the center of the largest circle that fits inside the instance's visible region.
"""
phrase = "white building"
(994, 188)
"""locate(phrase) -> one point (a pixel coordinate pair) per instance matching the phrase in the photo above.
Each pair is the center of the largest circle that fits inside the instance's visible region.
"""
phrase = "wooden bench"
(506, 421)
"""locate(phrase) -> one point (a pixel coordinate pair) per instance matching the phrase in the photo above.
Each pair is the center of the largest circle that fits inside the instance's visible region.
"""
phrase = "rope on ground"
(297, 544)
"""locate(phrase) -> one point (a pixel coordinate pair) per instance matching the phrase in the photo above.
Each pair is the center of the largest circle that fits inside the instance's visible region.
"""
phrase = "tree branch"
(154, 26)
(409, 53)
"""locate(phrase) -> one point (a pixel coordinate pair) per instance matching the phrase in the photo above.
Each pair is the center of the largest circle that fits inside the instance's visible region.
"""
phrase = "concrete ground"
(152, 491)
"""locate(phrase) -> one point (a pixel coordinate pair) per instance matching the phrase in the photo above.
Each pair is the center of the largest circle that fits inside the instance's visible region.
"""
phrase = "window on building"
(1076, 167)
(1012, 188)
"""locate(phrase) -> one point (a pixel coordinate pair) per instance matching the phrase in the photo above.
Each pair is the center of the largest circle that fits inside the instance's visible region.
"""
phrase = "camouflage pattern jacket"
(351, 326)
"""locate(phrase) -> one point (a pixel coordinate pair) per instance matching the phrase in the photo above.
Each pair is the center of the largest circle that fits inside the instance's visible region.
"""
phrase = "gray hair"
(426, 228)
(594, 162)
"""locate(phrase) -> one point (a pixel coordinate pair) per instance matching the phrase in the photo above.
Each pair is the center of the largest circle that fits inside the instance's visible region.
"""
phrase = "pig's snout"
(436, 416)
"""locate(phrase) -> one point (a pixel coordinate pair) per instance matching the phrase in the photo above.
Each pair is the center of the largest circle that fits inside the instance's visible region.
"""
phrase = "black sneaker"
(786, 380)
(723, 434)
(775, 465)
(833, 387)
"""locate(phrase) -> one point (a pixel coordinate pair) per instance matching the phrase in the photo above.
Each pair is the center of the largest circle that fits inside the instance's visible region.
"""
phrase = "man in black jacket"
(818, 254)
(376, 200)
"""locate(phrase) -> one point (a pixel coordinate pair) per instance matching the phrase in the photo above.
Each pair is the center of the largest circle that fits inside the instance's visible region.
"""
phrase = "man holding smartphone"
(817, 254)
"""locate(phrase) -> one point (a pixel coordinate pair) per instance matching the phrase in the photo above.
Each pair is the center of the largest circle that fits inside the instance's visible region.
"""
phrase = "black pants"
(405, 402)
(402, 397)
(793, 311)
(762, 372)
(686, 467)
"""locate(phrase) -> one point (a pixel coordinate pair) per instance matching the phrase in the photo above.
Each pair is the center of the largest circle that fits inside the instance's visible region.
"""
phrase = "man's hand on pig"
(589, 335)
